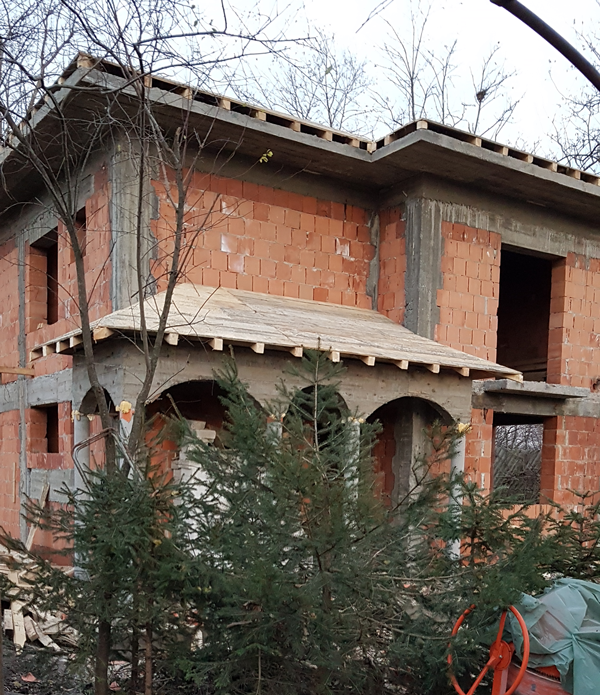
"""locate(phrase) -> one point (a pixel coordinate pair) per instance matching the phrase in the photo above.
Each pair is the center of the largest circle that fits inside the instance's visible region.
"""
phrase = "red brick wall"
(571, 453)
(573, 354)
(468, 300)
(468, 303)
(9, 472)
(98, 278)
(266, 240)
(570, 457)
(392, 264)
(9, 314)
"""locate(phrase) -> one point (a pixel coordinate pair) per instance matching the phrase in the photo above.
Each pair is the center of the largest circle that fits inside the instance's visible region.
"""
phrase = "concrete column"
(81, 432)
(124, 175)
(423, 265)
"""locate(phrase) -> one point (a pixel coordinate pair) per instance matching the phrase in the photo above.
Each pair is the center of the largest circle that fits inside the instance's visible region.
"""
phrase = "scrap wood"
(33, 529)
(19, 634)
(30, 628)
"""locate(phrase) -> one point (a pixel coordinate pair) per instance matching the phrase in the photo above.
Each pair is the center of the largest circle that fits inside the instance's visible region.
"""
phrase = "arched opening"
(403, 440)
(87, 424)
(330, 409)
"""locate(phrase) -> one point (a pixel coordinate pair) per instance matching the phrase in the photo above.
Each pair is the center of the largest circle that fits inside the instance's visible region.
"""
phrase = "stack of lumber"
(21, 619)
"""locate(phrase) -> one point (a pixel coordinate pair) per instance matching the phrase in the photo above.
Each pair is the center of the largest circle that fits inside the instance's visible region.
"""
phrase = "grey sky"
(544, 78)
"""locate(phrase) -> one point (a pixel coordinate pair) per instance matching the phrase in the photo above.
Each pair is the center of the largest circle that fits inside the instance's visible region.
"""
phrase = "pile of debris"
(22, 621)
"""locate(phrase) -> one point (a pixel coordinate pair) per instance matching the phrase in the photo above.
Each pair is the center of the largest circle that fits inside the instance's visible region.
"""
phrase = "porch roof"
(222, 316)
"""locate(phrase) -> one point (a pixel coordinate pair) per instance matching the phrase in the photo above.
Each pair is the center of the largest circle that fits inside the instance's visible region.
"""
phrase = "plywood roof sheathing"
(258, 321)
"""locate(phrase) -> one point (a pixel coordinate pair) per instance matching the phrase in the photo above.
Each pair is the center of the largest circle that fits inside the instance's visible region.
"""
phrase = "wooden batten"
(514, 377)
(171, 338)
(297, 351)
(35, 354)
(47, 350)
(75, 340)
(102, 333)
(216, 343)
(259, 348)
(334, 356)
(62, 346)
(21, 371)
(402, 364)
(433, 368)
(463, 371)
(369, 360)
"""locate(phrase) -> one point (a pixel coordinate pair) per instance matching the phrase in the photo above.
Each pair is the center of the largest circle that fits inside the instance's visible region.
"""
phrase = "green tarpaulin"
(564, 631)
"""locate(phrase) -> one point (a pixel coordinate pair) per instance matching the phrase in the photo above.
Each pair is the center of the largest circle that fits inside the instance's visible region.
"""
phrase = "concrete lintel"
(588, 406)
(56, 479)
(537, 389)
(50, 388)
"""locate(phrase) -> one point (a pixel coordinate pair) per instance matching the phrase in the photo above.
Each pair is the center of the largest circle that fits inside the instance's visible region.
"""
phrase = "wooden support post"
(42, 503)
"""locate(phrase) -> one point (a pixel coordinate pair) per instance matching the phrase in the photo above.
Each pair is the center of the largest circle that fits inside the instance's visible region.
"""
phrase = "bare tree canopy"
(420, 81)
(316, 81)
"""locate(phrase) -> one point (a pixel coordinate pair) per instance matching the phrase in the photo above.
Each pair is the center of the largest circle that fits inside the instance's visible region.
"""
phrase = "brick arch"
(400, 440)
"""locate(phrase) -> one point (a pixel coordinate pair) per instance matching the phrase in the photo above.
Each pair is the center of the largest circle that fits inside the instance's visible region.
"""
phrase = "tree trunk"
(102, 656)
(148, 664)
(135, 661)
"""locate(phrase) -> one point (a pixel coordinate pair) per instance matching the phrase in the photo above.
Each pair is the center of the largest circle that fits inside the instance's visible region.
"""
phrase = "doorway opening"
(524, 313)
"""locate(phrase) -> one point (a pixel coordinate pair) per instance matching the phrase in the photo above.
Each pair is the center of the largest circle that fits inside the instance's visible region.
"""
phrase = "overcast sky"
(543, 77)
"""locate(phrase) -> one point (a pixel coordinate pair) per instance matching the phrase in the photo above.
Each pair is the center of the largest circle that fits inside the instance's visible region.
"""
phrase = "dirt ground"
(36, 672)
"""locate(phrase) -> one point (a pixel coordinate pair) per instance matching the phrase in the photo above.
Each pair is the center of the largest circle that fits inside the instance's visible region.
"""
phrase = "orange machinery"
(510, 678)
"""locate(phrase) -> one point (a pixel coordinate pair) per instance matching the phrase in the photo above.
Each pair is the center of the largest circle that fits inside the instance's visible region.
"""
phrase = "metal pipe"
(553, 38)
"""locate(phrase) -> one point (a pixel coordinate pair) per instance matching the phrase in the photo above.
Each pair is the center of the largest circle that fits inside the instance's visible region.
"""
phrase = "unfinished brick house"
(457, 278)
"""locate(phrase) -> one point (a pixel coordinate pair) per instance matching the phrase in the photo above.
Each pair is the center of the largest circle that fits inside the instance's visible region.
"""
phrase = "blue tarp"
(564, 631)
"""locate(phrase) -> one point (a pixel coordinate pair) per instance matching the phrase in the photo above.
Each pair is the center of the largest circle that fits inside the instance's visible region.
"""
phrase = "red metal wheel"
(500, 657)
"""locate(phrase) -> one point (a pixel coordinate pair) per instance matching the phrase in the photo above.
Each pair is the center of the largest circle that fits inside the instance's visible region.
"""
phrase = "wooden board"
(260, 321)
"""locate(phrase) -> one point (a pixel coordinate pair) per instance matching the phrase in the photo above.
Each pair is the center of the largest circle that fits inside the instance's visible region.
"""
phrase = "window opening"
(48, 247)
(524, 314)
(49, 421)
(517, 462)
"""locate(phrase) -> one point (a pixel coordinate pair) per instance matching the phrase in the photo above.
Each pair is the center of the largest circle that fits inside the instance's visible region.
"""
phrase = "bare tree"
(44, 134)
(316, 82)
(424, 82)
